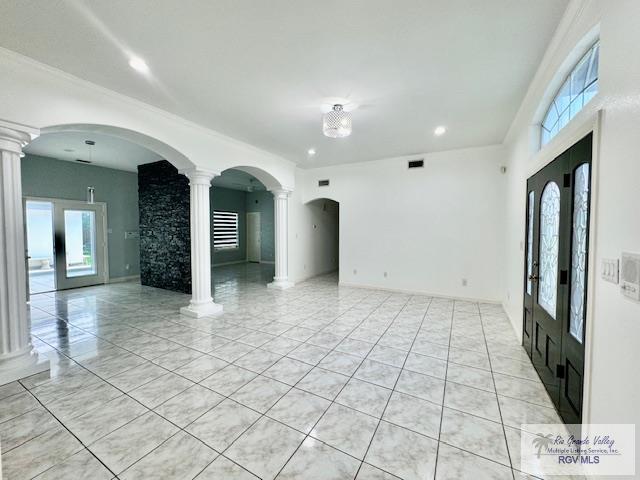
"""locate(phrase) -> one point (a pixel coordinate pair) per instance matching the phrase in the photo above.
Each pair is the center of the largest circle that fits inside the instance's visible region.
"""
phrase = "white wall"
(424, 227)
(613, 331)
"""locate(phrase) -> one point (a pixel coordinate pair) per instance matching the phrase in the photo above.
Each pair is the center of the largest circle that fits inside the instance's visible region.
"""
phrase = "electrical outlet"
(355, 272)
(464, 282)
(127, 266)
(385, 274)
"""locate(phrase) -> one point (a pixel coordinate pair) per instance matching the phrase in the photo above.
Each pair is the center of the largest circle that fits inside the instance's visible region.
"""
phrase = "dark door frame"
(578, 129)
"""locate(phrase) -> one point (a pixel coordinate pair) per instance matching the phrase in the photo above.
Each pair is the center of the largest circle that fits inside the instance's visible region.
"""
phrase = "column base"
(22, 366)
(280, 284)
(199, 310)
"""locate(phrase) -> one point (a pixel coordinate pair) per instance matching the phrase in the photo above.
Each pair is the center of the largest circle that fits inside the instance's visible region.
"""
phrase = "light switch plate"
(611, 270)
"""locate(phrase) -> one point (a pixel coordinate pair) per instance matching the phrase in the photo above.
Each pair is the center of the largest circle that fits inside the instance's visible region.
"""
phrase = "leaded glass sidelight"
(579, 250)
(549, 246)
(530, 241)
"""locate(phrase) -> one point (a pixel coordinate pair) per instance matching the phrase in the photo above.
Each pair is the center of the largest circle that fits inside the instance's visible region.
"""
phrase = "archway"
(165, 151)
(324, 235)
(250, 229)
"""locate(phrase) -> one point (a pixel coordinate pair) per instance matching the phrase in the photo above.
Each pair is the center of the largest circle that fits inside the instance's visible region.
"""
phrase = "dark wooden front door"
(555, 281)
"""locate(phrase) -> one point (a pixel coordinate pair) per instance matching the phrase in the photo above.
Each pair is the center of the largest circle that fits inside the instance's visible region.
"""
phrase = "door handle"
(533, 278)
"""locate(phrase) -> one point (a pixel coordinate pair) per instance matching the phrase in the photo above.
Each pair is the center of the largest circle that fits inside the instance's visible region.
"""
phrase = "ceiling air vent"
(416, 163)
(323, 183)
(82, 161)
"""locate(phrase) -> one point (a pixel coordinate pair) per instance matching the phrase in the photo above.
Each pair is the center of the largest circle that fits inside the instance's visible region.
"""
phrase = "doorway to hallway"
(324, 214)
(556, 259)
(66, 244)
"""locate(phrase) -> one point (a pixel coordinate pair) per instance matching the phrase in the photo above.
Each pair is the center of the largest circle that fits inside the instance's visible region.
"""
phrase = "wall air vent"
(323, 183)
(82, 161)
(416, 163)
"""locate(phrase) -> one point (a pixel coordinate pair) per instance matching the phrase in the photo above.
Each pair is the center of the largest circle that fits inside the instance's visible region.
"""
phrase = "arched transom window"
(580, 86)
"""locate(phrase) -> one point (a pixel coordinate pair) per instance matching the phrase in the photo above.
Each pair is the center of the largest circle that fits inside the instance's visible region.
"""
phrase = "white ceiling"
(108, 151)
(261, 71)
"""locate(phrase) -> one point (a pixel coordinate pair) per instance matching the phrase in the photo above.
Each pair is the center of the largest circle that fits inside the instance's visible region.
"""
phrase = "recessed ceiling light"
(440, 130)
(139, 65)
(311, 151)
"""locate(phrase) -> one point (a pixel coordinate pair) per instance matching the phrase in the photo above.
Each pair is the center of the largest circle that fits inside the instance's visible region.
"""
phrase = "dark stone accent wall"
(165, 248)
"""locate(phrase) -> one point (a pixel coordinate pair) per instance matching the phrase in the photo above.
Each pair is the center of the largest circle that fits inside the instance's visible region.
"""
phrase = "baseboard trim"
(420, 292)
(224, 264)
(129, 278)
(309, 277)
(513, 324)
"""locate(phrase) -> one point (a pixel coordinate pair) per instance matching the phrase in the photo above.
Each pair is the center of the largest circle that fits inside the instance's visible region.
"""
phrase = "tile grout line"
(331, 401)
(150, 410)
(504, 431)
(74, 436)
(444, 393)
(399, 374)
(231, 399)
(350, 377)
(282, 356)
(396, 381)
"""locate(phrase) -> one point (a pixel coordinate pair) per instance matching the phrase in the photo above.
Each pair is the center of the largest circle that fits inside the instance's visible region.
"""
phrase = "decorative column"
(281, 214)
(201, 301)
(18, 359)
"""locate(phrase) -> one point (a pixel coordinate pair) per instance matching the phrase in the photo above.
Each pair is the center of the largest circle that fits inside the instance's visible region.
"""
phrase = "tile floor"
(315, 382)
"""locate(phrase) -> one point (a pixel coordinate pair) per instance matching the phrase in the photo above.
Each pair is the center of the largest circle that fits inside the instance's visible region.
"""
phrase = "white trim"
(129, 278)
(580, 127)
(419, 292)
(105, 228)
(224, 264)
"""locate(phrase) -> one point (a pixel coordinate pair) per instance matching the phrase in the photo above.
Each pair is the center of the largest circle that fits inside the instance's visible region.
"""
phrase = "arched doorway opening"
(324, 240)
(82, 211)
(243, 232)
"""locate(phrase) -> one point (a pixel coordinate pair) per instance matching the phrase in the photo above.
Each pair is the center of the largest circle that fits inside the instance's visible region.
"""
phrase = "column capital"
(199, 176)
(280, 192)
(13, 138)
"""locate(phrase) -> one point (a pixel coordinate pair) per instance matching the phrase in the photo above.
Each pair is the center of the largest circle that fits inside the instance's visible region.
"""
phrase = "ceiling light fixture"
(311, 151)
(337, 123)
(139, 65)
(439, 131)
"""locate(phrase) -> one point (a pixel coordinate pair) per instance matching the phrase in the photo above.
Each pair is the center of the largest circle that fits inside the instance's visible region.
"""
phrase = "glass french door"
(41, 273)
(557, 229)
(66, 244)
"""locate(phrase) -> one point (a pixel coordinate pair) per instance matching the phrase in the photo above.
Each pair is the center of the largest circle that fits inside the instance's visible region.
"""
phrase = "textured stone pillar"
(201, 301)
(281, 218)
(18, 359)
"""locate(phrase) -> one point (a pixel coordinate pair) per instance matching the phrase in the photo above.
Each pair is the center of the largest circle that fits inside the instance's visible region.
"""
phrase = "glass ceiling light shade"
(337, 123)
